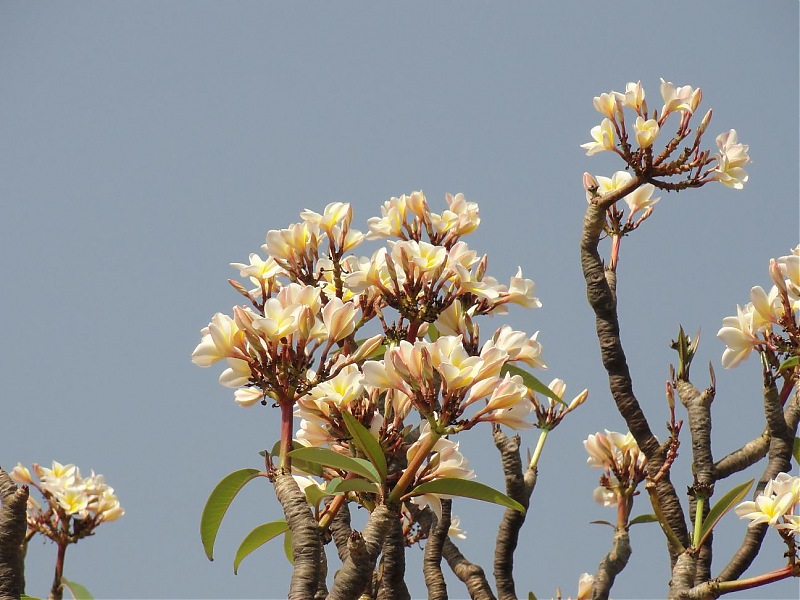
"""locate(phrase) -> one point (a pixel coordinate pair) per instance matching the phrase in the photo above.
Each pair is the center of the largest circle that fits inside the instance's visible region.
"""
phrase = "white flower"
(603, 136)
(739, 335)
(682, 98)
(646, 132)
(731, 159)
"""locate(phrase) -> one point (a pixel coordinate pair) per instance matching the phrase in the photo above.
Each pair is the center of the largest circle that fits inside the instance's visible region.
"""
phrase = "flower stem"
(287, 421)
(57, 591)
(537, 452)
(413, 466)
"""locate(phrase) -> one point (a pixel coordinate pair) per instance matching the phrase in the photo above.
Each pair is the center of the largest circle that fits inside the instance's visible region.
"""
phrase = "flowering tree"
(74, 506)
(382, 360)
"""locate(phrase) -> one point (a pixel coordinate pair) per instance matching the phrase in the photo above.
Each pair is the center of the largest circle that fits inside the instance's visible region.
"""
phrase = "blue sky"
(147, 145)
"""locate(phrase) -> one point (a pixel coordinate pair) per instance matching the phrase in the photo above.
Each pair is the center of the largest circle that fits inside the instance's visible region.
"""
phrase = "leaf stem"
(698, 520)
(537, 452)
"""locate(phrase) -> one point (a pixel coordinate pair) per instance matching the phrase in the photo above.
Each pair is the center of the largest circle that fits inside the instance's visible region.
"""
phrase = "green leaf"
(796, 449)
(531, 596)
(300, 465)
(789, 363)
(433, 332)
(78, 591)
(26, 597)
(531, 381)
(602, 522)
(467, 489)
(314, 495)
(721, 507)
(329, 458)
(366, 442)
(218, 503)
(287, 546)
(351, 485)
(257, 538)
(649, 518)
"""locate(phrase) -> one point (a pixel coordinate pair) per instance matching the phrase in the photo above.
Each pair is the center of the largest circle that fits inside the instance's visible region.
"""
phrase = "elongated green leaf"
(314, 495)
(218, 503)
(531, 596)
(257, 538)
(366, 442)
(796, 449)
(329, 458)
(468, 489)
(721, 507)
(531, 381)
(287, 546)
(789, 363)
(78, 591)
(433, 332)
(26, 597)
(649, 518)
(351, 485)
(602, 522)
(300, 465)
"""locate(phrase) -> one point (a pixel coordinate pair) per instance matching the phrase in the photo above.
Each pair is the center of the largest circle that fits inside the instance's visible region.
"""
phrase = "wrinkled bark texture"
(356, 572)
(432, 560)
(393, 566)
(611, 565)
(306, 543)
(471, 574)
(13, 524)
(602, 300)
(519, 487)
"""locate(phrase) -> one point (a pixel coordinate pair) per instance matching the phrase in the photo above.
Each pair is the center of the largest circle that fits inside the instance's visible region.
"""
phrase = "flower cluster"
(379, 336)
(625, 466)
(775, 505)
(680, 157)
(74, 505)
(770, 322)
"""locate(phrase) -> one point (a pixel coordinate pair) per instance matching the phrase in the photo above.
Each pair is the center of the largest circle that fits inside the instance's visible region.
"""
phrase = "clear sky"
(146, 145)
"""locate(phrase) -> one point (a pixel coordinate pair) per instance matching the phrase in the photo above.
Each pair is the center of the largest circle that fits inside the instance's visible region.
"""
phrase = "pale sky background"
(147, 145)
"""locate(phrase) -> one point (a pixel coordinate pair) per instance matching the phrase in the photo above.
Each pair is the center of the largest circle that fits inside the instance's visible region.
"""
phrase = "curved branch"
(432, 561)
(519, 487)
(603, 302)
(782, 432)
(471, 574)
(356, 572)
(612, 564)
(306, 542)
(746, 456)
(340, 531)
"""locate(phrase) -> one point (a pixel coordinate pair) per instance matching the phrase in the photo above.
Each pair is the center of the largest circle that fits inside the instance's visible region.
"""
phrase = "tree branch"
(432, 561)
(356, 572)
(779, 460)
(519, 487)
(393, 566)
(612, 564)
(306, 542)
(13, 524)
(603, 302)
(471, 574)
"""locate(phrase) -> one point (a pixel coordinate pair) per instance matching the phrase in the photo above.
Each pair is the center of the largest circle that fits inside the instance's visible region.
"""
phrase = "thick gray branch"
(356, 572)
(306, 543)
(393, 565)
(13, 524)
(471, 574)
(432, 561)
(519, 486)
(611, 565)
(603, 302)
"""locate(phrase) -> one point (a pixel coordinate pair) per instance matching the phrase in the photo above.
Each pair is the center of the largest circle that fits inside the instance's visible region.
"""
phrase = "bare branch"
(432, 562)
(393, 566)
(612, 564)
(306, 543)
(519, 487)
(471, 574)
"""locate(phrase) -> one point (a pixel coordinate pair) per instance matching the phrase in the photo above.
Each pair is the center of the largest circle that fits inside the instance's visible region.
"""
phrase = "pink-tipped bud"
(697, 97)
(578, 400)
(701, 129)
(776, 275)
(481, 270)
(590, 185)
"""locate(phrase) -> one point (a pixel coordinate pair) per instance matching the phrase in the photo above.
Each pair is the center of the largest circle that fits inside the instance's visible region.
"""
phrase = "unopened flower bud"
(776, 275)
(481, 270)
(367, 348)
(697, 97)
(704, 123)
(590, 185)
(579, 399)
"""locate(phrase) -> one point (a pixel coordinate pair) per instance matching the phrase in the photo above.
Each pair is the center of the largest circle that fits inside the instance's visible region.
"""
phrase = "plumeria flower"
(634, 95)
(459, 219)
(739, 335)
(585, 584)
(640, 199)
(731, 159)
(606, 104)
(682, 98)
(602, 136)
(220, 338)
(455, 530)
(646, 131)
